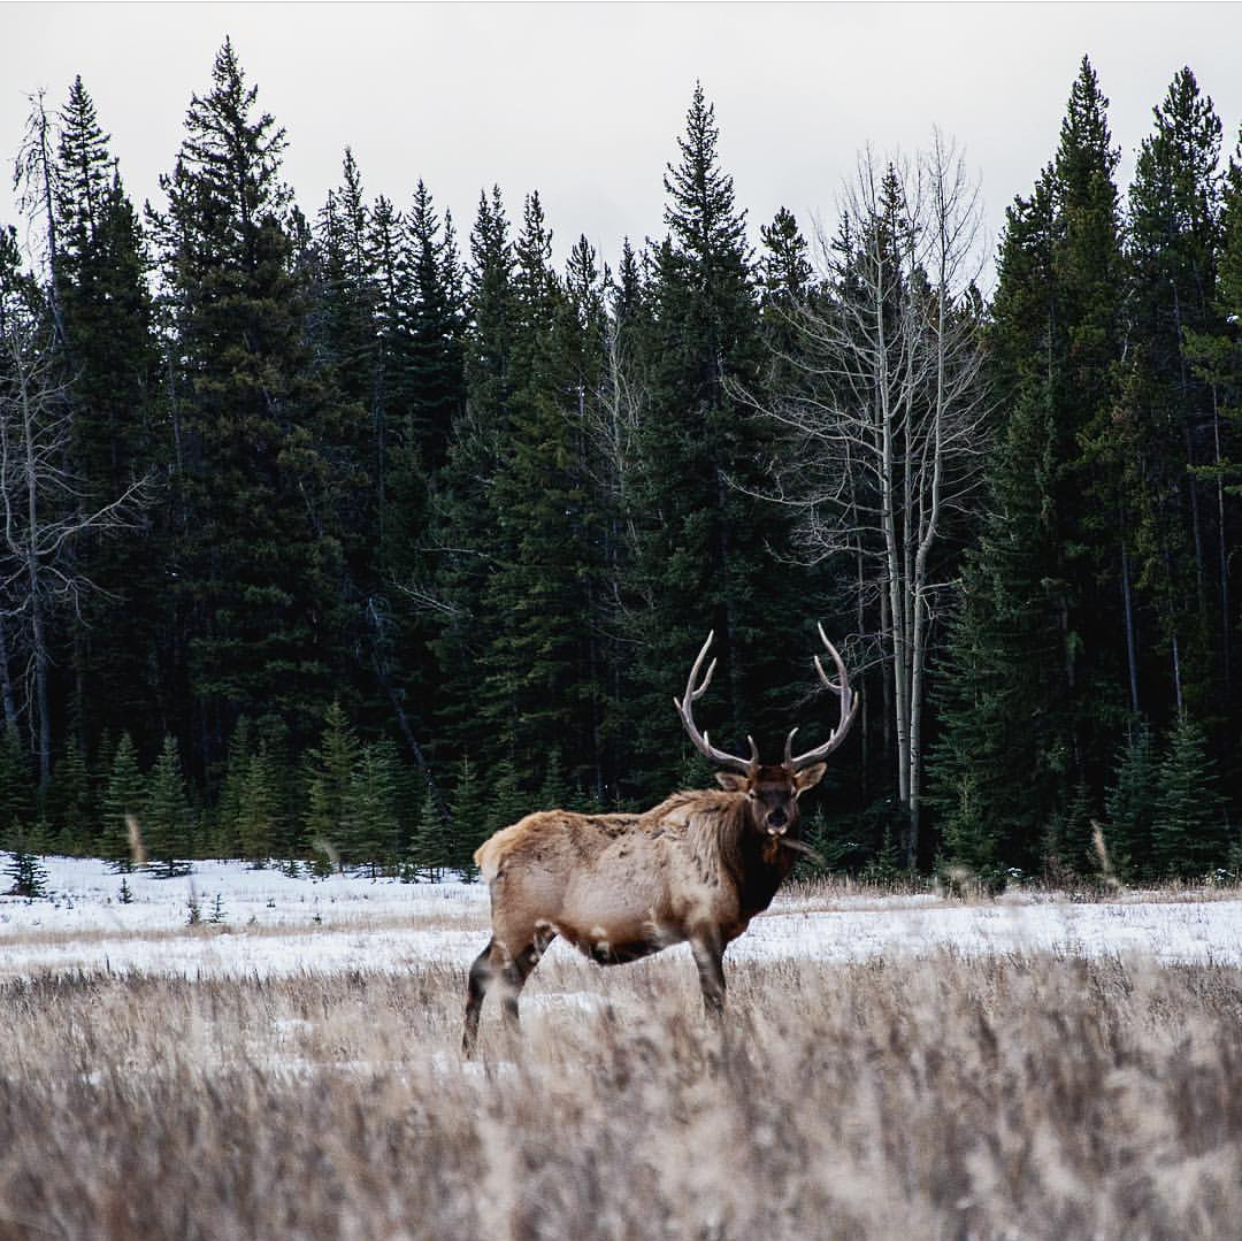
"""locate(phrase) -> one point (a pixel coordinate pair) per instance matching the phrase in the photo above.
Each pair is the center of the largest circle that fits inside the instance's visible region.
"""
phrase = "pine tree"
(785, 272)
(329, 775)
(968, 839)
(464, 518)
(471, 819)
(429, 852)
(1174, 234)
(1130, 805)
(702, 557)
(259, 819)
(268, 452)
(166, 822)
(71, 801)
(111, 359)
(1041, 612)
(124, 798)
(24, 870)
(1189, 832)
(371, 825)
(232, 801)
(436, 382)
(16, 784)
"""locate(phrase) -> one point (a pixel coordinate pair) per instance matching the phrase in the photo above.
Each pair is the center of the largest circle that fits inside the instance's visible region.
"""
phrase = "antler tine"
(685, 709)
(849, 708)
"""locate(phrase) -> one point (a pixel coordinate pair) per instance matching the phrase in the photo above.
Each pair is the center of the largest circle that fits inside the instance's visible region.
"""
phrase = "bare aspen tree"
(883, 414)
(42, 509)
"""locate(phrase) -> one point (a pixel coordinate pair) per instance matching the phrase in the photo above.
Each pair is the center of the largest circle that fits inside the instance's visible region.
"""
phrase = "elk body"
(696, 868)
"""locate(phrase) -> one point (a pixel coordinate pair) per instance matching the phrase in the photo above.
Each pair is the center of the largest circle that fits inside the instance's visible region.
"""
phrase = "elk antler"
(685, 708)
(849, 708)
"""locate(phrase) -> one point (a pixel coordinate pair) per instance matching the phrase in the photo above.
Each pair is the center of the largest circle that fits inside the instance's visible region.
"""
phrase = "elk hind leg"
(481, 978)
(518, 968)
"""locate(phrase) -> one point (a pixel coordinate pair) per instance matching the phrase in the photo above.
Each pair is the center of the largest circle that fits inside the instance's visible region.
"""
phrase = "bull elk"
(695, 868)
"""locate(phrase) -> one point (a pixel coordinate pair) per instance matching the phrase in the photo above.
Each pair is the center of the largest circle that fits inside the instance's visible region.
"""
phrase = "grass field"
(924, 1089)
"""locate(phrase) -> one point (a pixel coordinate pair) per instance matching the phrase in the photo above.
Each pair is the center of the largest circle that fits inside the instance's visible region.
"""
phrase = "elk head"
(772, 790)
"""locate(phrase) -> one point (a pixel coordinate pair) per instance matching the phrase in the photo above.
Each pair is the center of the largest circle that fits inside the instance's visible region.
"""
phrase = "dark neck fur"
(742, 852)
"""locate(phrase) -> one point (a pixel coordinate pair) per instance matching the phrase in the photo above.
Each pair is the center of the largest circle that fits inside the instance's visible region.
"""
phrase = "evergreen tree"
(259, 819)
(436, 392)
(232, 801)
(329, 775)
(703, 558)
(466, 537)
(1189, 833)
(1031, 691)
(429, 850)
(264, 462)
(71, 801)
(16, 784)
(1130, 805)
(166, 823)
(785, 273)
(371, 825)
(26, 873)
(968, 839)
(124, 798)
(470, 819)
(112, 361)
(1174, 234)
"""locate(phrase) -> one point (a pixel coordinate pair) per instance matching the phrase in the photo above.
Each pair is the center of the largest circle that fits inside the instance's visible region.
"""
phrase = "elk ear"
(809, 777)
(732, 781)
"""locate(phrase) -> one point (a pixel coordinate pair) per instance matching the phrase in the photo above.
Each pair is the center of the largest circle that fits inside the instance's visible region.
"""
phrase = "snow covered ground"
(274, 924)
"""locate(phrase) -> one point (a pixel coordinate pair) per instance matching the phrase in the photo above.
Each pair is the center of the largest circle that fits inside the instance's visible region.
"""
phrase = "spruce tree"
(71, 801)
(471, 821)
(330, 768)
(1189, 832)
(259, 819)
(268, 450)
(1168, 409)
(1130, 805)
(111, 359)
(16, 784)
(25, 872)
(370, 820)
(124, 799)
(703, 559)
(429, 850)
(166, 822)
(230, 807)
(1032, 691)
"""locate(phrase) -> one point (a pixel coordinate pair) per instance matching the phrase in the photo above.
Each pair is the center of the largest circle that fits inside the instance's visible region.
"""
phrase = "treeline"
(342, 537)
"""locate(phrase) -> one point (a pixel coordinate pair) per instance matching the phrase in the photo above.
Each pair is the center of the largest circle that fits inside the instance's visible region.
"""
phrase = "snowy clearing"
(273, 924)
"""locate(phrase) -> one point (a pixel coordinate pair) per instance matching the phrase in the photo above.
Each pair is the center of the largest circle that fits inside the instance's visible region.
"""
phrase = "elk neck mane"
(712, 823)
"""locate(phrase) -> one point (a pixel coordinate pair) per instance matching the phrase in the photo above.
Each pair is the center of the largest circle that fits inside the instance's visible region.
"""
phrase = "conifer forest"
(347, 532)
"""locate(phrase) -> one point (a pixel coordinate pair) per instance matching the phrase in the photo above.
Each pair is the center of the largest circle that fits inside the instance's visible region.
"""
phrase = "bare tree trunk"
(33, 570)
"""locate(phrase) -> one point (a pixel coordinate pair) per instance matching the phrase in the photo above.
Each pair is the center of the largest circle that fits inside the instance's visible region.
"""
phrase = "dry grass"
(1020, 1097)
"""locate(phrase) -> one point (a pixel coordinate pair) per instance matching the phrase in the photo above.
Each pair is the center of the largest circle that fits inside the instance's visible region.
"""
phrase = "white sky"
(584, 101)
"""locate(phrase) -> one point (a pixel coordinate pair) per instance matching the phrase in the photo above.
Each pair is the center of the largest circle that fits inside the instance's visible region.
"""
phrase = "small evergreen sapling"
(28, 876)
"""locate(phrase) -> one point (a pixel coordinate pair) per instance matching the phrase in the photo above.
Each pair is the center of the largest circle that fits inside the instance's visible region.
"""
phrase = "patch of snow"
(279, 925)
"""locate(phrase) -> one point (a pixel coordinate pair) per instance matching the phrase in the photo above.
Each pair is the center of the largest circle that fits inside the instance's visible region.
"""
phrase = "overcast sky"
(584, 101)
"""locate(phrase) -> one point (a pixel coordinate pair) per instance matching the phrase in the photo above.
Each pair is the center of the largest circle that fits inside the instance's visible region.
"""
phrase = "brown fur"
(695, 868)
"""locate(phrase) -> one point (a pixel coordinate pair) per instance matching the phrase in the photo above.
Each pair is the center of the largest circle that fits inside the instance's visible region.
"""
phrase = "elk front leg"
(709, 957)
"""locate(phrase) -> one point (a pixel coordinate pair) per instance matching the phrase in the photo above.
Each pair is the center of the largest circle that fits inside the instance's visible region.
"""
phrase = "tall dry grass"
(1020, 1097)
